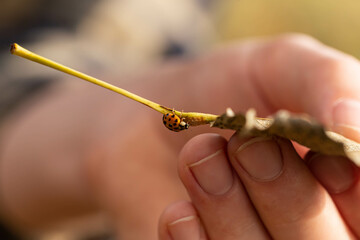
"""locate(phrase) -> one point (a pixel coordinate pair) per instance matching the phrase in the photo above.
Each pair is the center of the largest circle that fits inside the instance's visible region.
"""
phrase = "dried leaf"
(300, 128)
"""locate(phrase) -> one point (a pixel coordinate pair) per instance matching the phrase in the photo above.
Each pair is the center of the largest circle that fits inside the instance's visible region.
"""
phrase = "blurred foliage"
(336, 23)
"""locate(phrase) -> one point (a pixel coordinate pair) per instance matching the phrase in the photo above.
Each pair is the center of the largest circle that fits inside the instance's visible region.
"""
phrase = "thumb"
(300, 74)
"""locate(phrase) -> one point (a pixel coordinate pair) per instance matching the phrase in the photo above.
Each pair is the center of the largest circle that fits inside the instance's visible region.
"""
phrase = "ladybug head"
(184, 125)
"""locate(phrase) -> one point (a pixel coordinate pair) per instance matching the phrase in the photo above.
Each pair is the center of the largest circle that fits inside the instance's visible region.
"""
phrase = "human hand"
(260, 188)
(118, 157)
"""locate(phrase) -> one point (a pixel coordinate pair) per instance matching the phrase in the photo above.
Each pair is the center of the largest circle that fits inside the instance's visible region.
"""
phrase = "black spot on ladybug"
(170, 125)
(173, 115)
(167, 114)
(176, 120)
(164, 122)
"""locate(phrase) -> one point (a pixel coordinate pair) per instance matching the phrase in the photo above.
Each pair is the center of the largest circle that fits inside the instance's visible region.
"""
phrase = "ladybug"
(174, 122)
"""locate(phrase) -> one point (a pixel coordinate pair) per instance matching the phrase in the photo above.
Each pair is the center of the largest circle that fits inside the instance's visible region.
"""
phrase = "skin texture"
(85, 149)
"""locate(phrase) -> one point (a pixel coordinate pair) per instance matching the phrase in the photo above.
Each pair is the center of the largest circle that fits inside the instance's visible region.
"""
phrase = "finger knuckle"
(294, 39)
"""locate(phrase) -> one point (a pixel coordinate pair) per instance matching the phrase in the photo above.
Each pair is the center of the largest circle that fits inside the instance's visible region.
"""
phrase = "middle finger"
(289, 200)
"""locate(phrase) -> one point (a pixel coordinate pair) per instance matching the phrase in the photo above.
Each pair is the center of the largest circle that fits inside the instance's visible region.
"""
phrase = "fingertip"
(204, 167)
(177, 210)
(345, 115)
(179, 221)
(340, 177)
(337, 174)
(200, 147)
(260, 158)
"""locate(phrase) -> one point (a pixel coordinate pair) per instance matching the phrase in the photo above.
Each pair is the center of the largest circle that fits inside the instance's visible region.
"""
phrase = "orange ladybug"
(174, 122)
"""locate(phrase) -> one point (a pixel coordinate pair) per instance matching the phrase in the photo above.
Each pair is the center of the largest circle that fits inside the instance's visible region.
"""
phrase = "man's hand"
(260, 188)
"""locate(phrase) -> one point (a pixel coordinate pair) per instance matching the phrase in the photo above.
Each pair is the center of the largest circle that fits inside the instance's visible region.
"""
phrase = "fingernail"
(185, 228)
(336, 174)
(346, 115)
(261, 158)
(213, 173)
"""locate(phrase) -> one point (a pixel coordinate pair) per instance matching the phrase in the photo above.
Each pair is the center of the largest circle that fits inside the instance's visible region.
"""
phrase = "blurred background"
(123, 35)
(112, 36)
